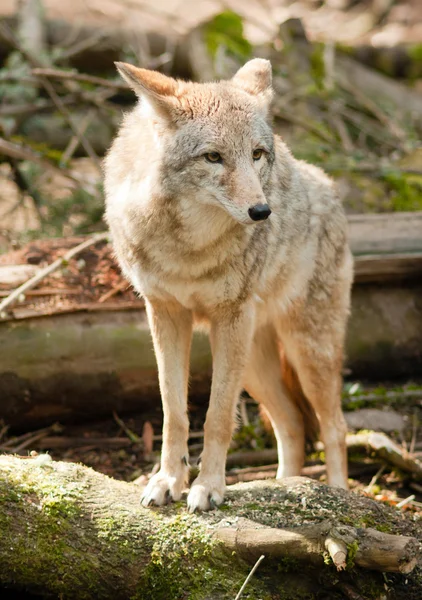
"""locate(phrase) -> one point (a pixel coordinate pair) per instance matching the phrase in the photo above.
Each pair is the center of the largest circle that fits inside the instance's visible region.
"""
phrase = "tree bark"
(68, 531)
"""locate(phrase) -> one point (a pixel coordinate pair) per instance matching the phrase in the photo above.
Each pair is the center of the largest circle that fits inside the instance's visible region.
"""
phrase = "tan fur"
(184, 238)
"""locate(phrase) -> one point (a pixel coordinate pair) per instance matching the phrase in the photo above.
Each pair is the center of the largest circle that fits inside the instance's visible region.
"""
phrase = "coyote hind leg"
(318, 364)
(263, 381)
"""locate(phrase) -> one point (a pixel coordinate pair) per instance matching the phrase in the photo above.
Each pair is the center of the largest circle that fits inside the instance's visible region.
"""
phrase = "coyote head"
(212, 142)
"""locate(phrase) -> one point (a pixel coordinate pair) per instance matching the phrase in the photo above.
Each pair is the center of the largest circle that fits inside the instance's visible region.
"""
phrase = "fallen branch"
(387, 450)
(374, 549)
(337, 549)
(31, 283)
(95, 540)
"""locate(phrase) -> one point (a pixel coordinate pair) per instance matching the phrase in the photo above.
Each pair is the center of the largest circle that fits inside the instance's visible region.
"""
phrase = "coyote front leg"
(231, 337)
(171, 328)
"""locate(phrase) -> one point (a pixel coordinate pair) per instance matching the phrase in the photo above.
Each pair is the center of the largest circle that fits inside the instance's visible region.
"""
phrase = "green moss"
(405, 191)
(186, 558)
(56, 511)
(351, 553)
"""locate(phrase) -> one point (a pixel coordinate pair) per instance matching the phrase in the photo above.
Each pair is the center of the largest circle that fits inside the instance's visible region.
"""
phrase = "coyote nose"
(259, 212)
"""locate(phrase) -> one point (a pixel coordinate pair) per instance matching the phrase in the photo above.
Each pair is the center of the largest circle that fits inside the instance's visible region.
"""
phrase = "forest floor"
(128, 447)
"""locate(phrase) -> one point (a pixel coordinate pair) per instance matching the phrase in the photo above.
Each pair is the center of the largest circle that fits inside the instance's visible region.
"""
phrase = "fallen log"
(78, 361)
(68, 531)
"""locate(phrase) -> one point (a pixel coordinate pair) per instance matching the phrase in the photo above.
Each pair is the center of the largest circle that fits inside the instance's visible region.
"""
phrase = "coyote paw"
(163, 488)
(205, 494)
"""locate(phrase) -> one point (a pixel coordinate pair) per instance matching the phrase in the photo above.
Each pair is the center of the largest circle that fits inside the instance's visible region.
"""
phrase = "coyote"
(215, 223)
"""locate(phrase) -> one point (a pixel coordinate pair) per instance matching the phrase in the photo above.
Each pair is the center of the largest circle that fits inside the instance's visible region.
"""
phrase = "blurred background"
(348, 77)
(76, 347)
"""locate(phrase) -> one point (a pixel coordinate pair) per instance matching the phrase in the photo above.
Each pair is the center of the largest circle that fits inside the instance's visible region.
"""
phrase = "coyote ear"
(255, 78)
(157, 88)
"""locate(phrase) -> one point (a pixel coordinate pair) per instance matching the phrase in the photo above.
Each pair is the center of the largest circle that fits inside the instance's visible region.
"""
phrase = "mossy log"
(67, 531)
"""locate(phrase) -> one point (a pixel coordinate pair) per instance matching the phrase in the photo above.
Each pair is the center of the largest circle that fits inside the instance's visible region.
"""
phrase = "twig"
(74, 141)
(249, 577)
(81, 46)
(119, 288)
(369, 126)
(342, 132)
(31, 283)
(30, 441)
(295, 119)
(405, 501)
(44, 292)
(374, 108)
(25, 436)
(416, 486)
(81, 77)
(337, 549)
(375, 478)
(134, 438)
(89, 307)
(414, 432)
(14, 78)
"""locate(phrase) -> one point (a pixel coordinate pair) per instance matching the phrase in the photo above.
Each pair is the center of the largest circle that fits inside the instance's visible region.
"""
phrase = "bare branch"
(59, 74)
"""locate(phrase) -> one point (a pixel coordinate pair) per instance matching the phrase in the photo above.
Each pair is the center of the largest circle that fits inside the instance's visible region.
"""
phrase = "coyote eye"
(213, 157)
(257, 154)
